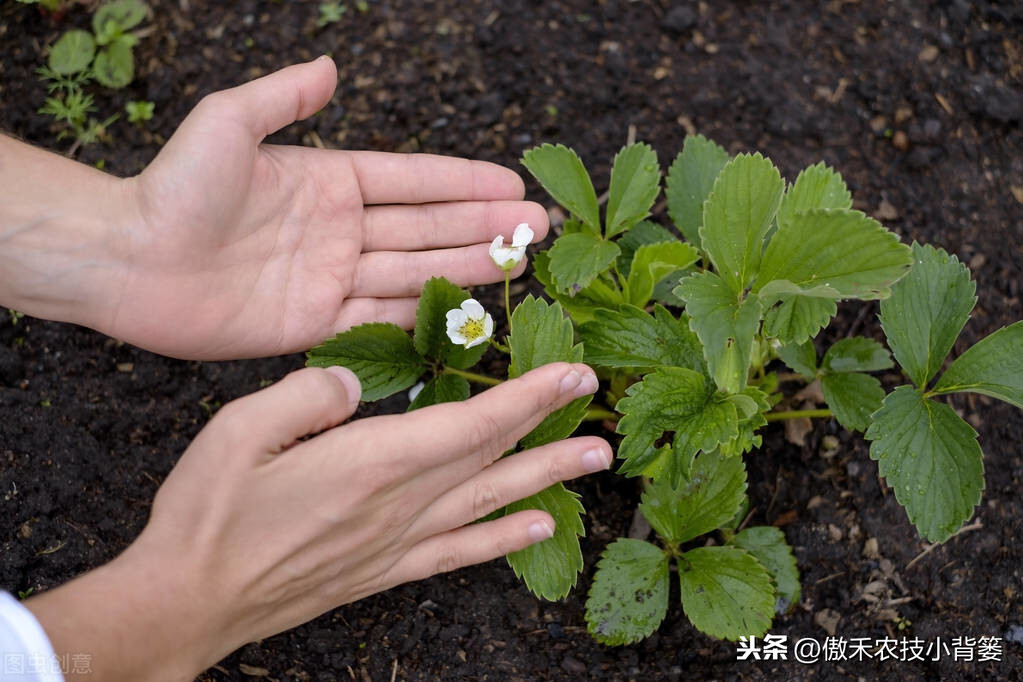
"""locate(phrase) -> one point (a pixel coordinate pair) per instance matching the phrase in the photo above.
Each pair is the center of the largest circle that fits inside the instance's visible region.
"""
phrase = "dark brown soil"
(918, 106)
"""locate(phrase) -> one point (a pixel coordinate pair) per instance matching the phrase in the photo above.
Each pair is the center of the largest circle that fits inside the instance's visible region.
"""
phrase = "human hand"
(256, 531)
(245, 249)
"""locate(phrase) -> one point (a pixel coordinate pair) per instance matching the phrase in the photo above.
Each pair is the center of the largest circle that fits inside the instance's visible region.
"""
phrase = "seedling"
(139, 112)
(330, 13)
(107, 51)
(687, 331)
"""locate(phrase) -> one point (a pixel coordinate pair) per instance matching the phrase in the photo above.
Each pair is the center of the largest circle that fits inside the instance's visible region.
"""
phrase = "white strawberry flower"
(507, 257)
(414, 392)
(469, 325)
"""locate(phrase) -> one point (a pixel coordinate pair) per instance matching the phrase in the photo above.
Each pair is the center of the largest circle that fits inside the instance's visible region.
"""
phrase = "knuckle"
(486, 437)
(448, 559)
(484, 500)
(555, 471)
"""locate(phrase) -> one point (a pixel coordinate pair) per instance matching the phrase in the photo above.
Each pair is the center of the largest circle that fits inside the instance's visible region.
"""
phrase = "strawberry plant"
(688, 328)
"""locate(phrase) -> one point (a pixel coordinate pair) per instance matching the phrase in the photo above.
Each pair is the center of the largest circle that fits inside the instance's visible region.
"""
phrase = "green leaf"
(72, 53)
(542, 335)
(582, 305)
(431, 336)
(800, 357)
(832, 253)
(768, 545)
(993, 366)
(816, 187)
(635, 183)
(725, 325)
(931, 459)
(576, 259)
(125, 13)
(673, 399)
(690, 181)
(737, 215)
(926, 312)
(443, 388)
(629, 595)
(652, 263)
(630, 337)
(115, 66)
(797, 319)
(380, 353)
(726, 592)
(852, 397)
(558, 425)
(751, 405)
(708, 500)
(551, 568)
(644, 232)
(856, 354)
(563, 175)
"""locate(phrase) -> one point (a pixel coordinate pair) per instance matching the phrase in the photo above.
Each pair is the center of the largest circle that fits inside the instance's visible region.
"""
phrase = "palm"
(250, 249)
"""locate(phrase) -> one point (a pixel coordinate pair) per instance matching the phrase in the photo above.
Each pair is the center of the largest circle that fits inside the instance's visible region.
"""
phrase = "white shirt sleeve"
(25, 651)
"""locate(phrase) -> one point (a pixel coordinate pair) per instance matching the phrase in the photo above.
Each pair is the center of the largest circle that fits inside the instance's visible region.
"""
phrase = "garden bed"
(918, 108)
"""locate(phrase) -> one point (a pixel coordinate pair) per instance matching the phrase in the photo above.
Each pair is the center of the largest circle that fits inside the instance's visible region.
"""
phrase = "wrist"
(63, 236)
(135, 619)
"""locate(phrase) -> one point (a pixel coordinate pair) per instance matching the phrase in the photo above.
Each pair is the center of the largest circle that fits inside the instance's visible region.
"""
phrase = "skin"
(227, 247)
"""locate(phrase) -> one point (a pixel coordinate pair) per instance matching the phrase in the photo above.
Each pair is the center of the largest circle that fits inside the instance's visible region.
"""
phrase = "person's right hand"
(258, 529)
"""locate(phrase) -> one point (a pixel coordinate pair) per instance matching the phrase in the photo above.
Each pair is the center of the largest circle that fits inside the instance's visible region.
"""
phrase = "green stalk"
(472, 376)
(797, 414)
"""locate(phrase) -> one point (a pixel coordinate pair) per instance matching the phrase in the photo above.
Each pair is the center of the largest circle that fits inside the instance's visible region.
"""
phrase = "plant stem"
(472, 376)
(796, 414)
(507, 299)
(499, 346)
(594, 414)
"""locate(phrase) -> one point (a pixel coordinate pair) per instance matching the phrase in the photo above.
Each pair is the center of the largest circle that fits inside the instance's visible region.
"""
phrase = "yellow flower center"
(472, 329)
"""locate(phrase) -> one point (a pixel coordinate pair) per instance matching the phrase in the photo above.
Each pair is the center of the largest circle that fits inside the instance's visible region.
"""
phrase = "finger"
(267, 104)
(355, 311)
(389, 178)
(308, 401)
(472, 545)
(388, 274)
(511, 479)
(435, 226)
(483, 427)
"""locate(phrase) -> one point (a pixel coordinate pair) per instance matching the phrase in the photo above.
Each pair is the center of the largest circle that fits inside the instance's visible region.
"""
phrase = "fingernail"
(540, 531)
(570, 381)
(595, 460)
(352, 386)
(587, 384)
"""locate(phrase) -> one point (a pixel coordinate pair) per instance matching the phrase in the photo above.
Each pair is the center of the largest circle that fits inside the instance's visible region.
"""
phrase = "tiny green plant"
(107, 51)
(15, 316)
(139, 112)
(688, 330)
(71, 106)
(330, 13)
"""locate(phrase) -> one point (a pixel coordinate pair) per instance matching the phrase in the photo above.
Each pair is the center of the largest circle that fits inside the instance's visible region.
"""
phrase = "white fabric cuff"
(25, 651)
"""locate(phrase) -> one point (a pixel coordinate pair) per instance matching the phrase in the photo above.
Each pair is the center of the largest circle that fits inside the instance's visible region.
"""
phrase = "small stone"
(886, 211)
(900, 141)
(928, 54)
(679, 19)
(1014, 634)
(573, 666)
(870, 549)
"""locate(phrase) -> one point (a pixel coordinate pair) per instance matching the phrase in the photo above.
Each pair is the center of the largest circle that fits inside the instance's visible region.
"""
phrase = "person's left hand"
(245, 249)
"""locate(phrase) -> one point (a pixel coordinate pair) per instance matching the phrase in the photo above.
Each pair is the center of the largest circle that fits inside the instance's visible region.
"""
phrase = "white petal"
(507, 256)
(496, 245)
(456, 337)
(414, 391)
(475, 342)
(457, 317)
(473, 309)
(488, 326)
(523, 235)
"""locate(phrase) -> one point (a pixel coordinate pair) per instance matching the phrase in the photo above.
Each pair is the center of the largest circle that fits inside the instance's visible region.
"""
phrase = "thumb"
(267, 104)
(305, 402)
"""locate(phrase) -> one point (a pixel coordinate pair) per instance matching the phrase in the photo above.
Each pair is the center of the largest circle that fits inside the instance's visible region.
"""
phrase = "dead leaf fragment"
(1017, 191)
(886, 211)
(253, 671)
(828, 620)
